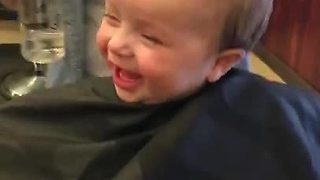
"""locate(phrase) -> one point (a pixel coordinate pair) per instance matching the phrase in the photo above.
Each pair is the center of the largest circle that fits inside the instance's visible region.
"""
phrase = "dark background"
(294, 37)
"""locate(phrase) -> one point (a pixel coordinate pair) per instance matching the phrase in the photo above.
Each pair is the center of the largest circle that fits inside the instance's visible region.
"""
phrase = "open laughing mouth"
(125, 79)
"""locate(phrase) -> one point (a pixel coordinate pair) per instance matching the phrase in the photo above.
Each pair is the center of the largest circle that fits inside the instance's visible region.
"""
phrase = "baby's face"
(158, 49)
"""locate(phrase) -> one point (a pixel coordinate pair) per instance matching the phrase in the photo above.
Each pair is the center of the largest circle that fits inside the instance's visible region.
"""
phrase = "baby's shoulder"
(253, 96)
(245, 87)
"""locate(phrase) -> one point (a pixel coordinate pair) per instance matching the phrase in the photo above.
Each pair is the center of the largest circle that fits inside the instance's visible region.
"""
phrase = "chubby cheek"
(152, 66)
(102, 40)
(158, 71)
(162, 64)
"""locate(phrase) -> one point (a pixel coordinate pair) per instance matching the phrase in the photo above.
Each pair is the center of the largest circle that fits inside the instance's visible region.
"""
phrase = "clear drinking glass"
(42, 29)
(42, 44)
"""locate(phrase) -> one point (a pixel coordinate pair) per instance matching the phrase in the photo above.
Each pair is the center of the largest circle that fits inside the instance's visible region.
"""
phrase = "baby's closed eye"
(152, 39)
(111, 19)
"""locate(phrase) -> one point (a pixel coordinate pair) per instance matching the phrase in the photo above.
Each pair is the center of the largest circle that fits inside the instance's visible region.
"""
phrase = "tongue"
(129, 76)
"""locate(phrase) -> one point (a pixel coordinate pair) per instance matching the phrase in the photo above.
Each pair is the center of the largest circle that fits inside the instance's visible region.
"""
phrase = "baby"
(175, 107)
(160, 50)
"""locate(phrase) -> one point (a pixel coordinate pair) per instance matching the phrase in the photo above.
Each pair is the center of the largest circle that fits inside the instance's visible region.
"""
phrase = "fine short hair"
(245, 23)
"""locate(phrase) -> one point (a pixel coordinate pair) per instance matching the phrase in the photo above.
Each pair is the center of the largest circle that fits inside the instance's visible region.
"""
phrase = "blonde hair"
(245, 23)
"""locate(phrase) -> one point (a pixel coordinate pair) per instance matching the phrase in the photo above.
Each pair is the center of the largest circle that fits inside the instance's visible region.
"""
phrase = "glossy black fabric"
(240, 128)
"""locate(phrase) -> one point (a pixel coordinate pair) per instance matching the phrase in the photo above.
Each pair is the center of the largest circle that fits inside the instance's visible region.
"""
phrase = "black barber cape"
(240, 128)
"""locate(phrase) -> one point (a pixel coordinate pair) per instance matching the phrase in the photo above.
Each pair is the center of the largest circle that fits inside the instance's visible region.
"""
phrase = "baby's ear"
(224, 62)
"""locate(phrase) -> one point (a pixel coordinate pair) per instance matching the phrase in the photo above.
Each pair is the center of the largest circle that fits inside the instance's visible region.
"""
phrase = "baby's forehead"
(196, 7)
(171, 7)
(197, 10)
(175, 14)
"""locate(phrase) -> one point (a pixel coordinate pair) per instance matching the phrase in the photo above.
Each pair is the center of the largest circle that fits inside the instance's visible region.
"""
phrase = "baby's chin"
(148, 99)
(129, 97)
(139, 97)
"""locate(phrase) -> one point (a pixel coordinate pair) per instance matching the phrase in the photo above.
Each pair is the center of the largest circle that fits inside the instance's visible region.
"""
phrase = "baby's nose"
(119, 45)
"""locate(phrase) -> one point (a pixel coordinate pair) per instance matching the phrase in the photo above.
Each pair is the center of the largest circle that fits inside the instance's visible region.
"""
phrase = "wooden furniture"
(9, 32)
(294, 38)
